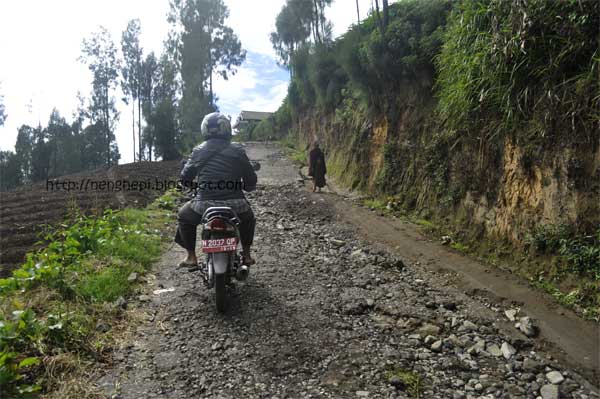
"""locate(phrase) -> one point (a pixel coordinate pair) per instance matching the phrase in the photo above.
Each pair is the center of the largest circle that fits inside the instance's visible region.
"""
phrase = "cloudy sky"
(40, 41)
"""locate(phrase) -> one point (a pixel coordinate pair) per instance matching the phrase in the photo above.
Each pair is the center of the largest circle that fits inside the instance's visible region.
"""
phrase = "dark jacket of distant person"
(316, 165)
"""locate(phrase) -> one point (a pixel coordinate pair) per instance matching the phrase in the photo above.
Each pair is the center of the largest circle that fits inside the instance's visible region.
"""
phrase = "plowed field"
(26, 210)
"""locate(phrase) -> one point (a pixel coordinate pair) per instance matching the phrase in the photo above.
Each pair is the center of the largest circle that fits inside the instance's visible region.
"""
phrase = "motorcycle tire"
(220, 293)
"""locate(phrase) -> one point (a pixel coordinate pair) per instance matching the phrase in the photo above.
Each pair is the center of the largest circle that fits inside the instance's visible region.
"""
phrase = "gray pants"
(188, 221)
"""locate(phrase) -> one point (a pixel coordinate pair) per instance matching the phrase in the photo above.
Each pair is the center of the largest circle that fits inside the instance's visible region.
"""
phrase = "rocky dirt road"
(326, 315)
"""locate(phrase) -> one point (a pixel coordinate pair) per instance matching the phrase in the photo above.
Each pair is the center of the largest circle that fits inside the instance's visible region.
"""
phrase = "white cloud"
(259, 85)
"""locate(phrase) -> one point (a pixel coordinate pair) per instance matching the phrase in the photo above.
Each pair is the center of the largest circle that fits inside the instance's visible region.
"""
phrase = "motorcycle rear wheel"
(220, 293)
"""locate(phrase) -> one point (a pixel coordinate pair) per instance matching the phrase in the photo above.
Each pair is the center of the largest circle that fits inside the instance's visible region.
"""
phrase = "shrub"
(580, 251)
(529, 65)
(86, 262)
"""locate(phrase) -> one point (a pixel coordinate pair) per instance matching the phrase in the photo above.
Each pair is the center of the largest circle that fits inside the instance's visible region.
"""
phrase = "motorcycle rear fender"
(220, 262)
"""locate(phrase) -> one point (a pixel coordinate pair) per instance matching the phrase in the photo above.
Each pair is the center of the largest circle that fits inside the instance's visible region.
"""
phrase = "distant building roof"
(254, 115)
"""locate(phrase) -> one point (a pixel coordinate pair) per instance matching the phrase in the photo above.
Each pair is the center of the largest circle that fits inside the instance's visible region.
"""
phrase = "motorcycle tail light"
(218, 225)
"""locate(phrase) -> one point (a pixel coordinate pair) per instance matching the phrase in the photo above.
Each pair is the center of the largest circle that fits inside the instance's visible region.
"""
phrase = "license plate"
(219, 245)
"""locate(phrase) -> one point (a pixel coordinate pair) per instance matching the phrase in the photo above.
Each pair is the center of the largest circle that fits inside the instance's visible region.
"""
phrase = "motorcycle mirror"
(256, 165)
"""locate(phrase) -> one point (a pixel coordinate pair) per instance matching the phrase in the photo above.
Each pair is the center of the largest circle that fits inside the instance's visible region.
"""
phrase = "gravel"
(323, 314)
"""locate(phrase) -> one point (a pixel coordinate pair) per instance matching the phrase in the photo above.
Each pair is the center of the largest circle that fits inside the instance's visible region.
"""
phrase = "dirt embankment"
(25, 211)
(499, 192)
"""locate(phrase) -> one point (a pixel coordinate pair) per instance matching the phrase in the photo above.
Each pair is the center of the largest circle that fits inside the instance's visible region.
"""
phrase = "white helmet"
(216, 125)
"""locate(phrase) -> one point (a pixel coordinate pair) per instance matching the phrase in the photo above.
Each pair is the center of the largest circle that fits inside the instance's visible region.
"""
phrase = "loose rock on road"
(324, 315)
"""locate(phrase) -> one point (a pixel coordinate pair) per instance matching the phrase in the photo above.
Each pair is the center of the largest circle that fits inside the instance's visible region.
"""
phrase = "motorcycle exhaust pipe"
(242, 273)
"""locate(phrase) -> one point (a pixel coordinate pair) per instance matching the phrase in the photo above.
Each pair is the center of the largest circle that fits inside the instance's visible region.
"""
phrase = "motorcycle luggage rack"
(220, 211)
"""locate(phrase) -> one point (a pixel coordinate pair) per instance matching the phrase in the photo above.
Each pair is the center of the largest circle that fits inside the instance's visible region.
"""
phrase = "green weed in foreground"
(409, 381)
(49, 307)
(425, 223)
(460, 247)
(586, 296)
(376, 204)
(106, 285)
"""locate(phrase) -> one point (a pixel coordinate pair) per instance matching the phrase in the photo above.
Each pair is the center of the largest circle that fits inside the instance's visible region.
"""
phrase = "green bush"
(85, 262)
(581, 252)
(19, 331)
(381, 64)
(529, 65)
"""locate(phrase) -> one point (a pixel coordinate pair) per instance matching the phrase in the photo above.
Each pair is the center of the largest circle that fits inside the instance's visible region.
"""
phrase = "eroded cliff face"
(500, 196)
(547, 192)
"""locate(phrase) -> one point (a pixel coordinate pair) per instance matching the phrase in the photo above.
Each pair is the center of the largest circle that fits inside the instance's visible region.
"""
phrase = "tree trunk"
(378, 15)
(106, 126)
(210, 78)
(133, 124)
(316, 15)
(140, 128)
(386, 14)
(357, 12)
(139, 99)
(210, 64)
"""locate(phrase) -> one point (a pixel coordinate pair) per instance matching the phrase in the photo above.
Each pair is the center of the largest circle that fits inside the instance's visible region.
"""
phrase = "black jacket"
(222, 168)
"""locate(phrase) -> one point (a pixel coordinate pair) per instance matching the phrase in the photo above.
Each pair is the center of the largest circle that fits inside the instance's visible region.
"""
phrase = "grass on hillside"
(60, 311)
(295, 154)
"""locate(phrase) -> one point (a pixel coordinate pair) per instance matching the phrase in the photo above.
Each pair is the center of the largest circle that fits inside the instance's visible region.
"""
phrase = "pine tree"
(100, 54)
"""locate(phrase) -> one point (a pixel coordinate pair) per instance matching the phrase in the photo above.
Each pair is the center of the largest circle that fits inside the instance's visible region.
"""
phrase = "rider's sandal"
(248, 261)
(188, 265)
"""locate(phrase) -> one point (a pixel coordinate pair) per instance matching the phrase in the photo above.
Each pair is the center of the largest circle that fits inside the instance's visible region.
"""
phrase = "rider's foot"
(190, 260)
(247, 260)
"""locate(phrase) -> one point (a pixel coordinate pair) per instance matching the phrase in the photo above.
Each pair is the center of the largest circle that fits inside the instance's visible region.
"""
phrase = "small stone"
(555, 377)
(507, 350)
(429, 339)
(102, 326)
(531, 365)
(477, 348)
(511, 314)
(357, 254)
(428, 329)
(370, 302)
(549, 391)
(494, 350)
(362, 394)
(216, 346)
(431, 305)
(526, 326)
(121, 303)
(436, 346)
(395, 381)
(469, 326)
(144, 298)
(337, 243)
(132, 277)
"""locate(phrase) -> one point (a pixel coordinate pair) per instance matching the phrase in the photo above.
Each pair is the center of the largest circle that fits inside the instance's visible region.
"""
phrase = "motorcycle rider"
(223, 171)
